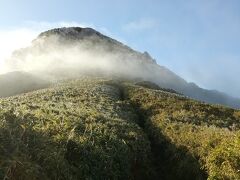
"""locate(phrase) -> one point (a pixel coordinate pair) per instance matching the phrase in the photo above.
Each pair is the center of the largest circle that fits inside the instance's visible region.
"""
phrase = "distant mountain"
(67, 52)
(19, 82)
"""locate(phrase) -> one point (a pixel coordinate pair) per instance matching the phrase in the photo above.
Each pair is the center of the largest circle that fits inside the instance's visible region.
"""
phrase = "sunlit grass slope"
(76, 130)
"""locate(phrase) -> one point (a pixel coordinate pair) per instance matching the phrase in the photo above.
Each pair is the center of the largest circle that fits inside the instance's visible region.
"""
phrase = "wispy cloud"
(140, 25)
(14, 39)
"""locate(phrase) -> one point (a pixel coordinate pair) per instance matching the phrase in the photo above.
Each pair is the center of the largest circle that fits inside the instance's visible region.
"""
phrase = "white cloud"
(14, 39)
(140, 25)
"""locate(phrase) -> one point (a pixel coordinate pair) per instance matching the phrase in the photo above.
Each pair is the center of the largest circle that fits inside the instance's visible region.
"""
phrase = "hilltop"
(100, 128)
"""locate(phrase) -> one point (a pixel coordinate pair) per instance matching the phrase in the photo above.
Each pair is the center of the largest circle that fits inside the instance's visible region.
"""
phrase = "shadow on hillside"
(170, 161)
(20, 146)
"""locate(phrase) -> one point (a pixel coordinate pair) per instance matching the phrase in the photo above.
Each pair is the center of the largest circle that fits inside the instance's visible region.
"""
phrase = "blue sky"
(197, 39)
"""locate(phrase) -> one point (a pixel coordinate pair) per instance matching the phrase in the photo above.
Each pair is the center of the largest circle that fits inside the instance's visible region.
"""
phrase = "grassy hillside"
(94, 128)
(77, 130)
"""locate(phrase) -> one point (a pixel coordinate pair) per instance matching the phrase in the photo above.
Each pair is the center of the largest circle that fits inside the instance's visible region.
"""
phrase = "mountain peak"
(72, 35)
(71, 32)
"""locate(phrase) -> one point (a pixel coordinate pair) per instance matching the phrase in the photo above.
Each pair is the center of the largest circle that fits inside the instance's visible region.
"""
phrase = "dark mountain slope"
(20, 82)
(70, 51)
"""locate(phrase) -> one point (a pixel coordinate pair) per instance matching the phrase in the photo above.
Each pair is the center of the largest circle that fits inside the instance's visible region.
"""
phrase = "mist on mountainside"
(71, 52)
(52, 54)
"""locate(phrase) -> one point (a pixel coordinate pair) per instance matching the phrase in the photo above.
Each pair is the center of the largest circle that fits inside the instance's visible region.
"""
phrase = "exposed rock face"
(65, 52)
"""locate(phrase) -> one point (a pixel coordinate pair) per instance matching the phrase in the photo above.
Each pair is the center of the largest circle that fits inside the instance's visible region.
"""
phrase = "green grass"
(94, 128)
